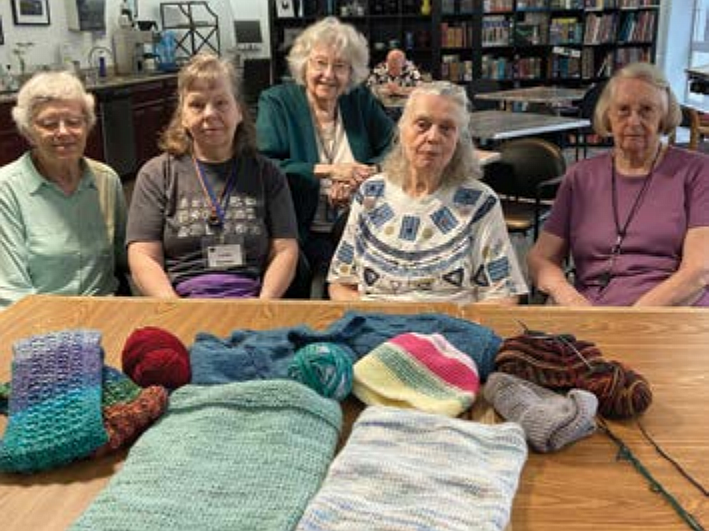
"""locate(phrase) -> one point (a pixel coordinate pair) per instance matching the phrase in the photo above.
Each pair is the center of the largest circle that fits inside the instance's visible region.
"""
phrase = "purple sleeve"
(558, 221)
(697, 168)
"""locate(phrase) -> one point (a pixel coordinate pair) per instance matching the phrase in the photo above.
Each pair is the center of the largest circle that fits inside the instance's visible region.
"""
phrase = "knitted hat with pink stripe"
(417, 371)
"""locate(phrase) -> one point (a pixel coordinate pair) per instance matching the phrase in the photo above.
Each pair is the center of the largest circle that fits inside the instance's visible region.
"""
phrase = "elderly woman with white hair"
(427, 228)
(635, 219)
(62, 215)
(326, 130)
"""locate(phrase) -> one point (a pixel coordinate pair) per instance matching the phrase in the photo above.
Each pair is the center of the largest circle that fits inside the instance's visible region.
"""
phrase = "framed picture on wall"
(30, 12)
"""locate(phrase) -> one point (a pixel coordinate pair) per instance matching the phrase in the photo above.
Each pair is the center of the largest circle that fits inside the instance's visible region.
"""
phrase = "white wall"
(48, 39)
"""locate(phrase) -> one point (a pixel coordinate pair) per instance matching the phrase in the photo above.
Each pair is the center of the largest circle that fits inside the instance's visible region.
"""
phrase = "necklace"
(329, 140)
(622, 231)
(216, 215)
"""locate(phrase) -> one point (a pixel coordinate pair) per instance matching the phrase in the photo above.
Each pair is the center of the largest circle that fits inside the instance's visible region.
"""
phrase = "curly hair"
(463, 163)
(46, 87)
(329, 32)
(207, 68)
(649, 73)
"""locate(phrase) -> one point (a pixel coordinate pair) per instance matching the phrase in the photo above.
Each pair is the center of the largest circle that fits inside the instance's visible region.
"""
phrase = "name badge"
(222, 256)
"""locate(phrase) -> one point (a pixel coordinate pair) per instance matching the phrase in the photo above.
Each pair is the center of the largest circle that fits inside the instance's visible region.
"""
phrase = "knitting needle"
(558, 337)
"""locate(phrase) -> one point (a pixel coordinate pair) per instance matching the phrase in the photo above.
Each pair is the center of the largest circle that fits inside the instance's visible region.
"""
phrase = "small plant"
(20, 50)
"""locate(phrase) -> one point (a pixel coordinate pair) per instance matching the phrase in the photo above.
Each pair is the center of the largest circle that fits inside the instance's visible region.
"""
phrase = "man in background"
(396, 76)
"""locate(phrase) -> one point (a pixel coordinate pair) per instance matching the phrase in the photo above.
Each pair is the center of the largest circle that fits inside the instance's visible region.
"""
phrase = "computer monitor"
(248, 34)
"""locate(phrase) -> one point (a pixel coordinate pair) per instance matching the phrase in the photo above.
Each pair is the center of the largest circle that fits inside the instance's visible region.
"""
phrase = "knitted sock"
(402, 470)
(550, 420)
(570, 363)
(128, 409)
(55, 404)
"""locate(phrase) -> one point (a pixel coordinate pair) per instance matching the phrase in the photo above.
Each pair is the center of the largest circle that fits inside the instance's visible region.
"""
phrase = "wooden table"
(503, 125)
(583, 487)
(554, 97)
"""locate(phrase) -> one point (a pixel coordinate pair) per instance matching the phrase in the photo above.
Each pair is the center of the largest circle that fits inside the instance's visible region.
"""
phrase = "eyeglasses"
(52, 125)
(646, 113)
(320, 65)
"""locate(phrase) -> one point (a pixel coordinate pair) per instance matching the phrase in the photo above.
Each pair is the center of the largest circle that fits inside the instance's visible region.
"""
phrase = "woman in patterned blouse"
(426, 228)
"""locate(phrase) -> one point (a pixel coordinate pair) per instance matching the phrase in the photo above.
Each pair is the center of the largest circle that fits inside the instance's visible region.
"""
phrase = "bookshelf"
(514, 42)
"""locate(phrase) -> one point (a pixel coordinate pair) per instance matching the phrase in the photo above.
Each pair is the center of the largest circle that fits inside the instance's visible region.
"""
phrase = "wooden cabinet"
(12, 145)
(560, 42)
(153, 104)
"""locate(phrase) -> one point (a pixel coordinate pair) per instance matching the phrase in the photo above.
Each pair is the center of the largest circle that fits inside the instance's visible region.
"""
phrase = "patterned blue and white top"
(451, 245)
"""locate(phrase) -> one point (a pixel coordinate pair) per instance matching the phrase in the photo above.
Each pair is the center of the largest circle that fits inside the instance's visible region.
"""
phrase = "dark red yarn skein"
(153, 356)
(553, 363)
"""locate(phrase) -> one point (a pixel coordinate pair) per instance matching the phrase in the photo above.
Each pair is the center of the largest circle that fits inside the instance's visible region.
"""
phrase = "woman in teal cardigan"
(326, 130)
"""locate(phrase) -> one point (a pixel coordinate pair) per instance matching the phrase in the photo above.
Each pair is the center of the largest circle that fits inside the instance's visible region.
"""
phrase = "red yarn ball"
(153, 356)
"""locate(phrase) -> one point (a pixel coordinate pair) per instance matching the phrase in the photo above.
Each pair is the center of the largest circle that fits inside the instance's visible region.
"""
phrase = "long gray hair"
(463, 163)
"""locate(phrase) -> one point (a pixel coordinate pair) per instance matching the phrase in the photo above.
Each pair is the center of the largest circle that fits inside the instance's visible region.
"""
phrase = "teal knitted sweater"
(246, 456)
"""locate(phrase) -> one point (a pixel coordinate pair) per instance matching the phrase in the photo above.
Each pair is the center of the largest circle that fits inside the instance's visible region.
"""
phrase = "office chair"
(526, 178)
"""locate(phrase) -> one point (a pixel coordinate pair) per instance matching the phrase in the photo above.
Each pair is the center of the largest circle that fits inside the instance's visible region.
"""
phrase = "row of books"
(600, 28)
(498, 6)
(531, 5)
(566, 4)
(511, 68)
(457, 7)
(565, 63)
(496, 31)
(568, 30)
(453, 69)
(456, 35)
(637, 26)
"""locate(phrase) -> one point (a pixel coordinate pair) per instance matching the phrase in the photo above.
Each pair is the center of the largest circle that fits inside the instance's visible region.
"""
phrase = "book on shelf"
(498, 6)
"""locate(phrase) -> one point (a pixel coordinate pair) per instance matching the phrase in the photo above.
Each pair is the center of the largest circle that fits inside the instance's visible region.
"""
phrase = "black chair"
(481, 86)
(586, 137)
(526, 178)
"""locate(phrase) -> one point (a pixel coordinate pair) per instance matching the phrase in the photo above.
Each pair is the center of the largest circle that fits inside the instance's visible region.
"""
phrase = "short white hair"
(45, 87)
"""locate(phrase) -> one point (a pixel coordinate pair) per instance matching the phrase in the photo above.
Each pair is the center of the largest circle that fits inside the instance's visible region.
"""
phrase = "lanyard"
(216, 215)
(621, 232)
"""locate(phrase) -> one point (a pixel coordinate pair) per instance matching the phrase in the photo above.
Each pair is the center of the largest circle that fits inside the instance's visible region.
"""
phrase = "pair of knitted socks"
(64, 404)
(550, 420)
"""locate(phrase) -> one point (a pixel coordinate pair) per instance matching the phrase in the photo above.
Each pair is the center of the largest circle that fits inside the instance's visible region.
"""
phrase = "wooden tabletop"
(503, 125)
(583, 487)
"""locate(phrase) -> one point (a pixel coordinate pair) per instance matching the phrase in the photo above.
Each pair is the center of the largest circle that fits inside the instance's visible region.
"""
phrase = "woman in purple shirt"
(635, 220)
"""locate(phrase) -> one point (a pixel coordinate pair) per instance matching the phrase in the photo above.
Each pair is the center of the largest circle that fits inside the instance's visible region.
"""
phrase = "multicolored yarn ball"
(622, 393)
(567, 363)
(324, 367)
(153, 356)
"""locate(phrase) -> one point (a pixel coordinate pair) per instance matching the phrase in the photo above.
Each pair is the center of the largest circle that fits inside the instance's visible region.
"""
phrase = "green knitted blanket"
(243, 456)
